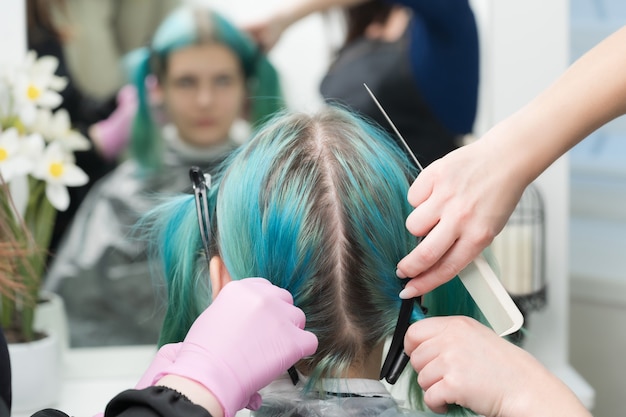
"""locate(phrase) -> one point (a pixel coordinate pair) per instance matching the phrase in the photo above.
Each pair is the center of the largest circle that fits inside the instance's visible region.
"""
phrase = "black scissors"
(396, 359)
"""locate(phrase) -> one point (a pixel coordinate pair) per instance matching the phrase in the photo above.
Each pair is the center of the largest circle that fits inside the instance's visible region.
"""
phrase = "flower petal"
(10, 139)
(74, 141)
(58, 196)
(45, 66)
(58, 83)
(19, 193)
(60, 123)
(73, 176)
(27, 113)
(43, 122)
(14, 167)
(50, 99)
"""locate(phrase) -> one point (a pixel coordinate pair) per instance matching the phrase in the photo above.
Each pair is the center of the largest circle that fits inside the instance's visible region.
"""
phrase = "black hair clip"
(201, 183)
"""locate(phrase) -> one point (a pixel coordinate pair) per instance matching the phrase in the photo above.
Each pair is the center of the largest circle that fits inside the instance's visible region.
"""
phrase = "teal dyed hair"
(187, 26)
(316, 204)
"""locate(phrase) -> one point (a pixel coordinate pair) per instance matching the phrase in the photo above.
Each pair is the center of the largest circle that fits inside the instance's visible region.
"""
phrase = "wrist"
(212, 373)
(194, 391)
(547, 396)
(514, 153)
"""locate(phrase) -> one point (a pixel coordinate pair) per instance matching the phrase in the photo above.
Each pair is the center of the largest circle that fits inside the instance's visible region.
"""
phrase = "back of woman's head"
(323, 216)
(190, 26)
(316, 204)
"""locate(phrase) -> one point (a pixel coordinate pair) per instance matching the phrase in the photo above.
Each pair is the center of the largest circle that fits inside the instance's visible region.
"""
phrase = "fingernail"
(400, 274)
(408, 293)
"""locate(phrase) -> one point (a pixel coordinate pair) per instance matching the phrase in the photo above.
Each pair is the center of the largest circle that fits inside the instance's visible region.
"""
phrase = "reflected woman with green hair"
(315, 204)
(213, 85)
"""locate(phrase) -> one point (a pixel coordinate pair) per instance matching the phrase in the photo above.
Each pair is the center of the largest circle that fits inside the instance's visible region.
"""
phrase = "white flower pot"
(36, 373)
(51, 317)
(36, 367)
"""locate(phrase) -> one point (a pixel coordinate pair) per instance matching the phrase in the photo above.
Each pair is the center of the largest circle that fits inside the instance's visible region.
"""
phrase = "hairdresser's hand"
(462, 201)
(267, 32)
(460, 361)
(251, 334)
(110, 136)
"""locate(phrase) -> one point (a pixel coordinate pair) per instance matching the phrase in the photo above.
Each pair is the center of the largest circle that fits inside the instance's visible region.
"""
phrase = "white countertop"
(92, 376)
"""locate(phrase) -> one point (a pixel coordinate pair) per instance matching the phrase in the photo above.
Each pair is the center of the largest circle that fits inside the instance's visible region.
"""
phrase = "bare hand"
(460, 361)
(462, 201)
(266, 32)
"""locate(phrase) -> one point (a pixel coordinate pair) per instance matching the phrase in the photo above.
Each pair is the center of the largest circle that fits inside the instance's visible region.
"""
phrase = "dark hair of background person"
(45, 37)
(359, 17)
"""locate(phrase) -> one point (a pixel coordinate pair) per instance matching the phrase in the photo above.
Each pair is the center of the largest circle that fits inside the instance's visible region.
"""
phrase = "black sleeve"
(148, 402)
(153, 402)
(5, 377)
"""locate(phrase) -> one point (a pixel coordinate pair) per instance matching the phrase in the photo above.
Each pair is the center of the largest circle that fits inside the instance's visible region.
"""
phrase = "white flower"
(37, 86)
(57, 127)
(13, 162)
(58, 170)
(28, 152)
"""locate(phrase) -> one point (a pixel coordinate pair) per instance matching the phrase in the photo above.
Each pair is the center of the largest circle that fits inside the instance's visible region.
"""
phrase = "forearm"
(291, 12)
(549, 396)
(589, 94)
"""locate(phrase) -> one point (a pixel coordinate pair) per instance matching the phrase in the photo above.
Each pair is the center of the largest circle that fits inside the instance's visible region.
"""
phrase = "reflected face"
(204, 92)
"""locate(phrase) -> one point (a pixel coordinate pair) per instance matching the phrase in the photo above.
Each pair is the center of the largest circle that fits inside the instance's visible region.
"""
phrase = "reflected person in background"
(102, 32)
(420, 58)
(92, 116)
(212, 81)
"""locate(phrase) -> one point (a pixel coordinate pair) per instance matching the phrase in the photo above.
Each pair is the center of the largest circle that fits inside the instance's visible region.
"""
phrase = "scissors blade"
(395, 129)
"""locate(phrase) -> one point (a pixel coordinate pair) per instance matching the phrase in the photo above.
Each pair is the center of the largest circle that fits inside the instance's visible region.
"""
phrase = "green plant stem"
(31, 238)
(39, 219)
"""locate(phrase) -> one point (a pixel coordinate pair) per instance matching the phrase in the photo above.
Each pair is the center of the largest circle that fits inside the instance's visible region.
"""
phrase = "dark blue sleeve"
(444, 58)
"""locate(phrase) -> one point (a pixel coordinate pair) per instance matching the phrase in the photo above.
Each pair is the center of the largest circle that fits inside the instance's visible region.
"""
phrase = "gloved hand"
(111, 135)
(165, 357)
(246, 338)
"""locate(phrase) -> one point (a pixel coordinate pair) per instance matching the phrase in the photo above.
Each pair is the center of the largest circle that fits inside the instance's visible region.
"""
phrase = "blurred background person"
(102, 33)
(103, 120)
(420, 59)
(211, 80)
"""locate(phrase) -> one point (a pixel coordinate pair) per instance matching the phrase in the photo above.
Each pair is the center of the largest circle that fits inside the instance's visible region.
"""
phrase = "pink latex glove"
(165, 357)
(111, 135)
(251, 334)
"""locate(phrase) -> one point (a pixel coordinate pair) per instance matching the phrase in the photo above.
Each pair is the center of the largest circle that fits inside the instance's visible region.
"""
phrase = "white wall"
(12, 31)
(597, 230)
